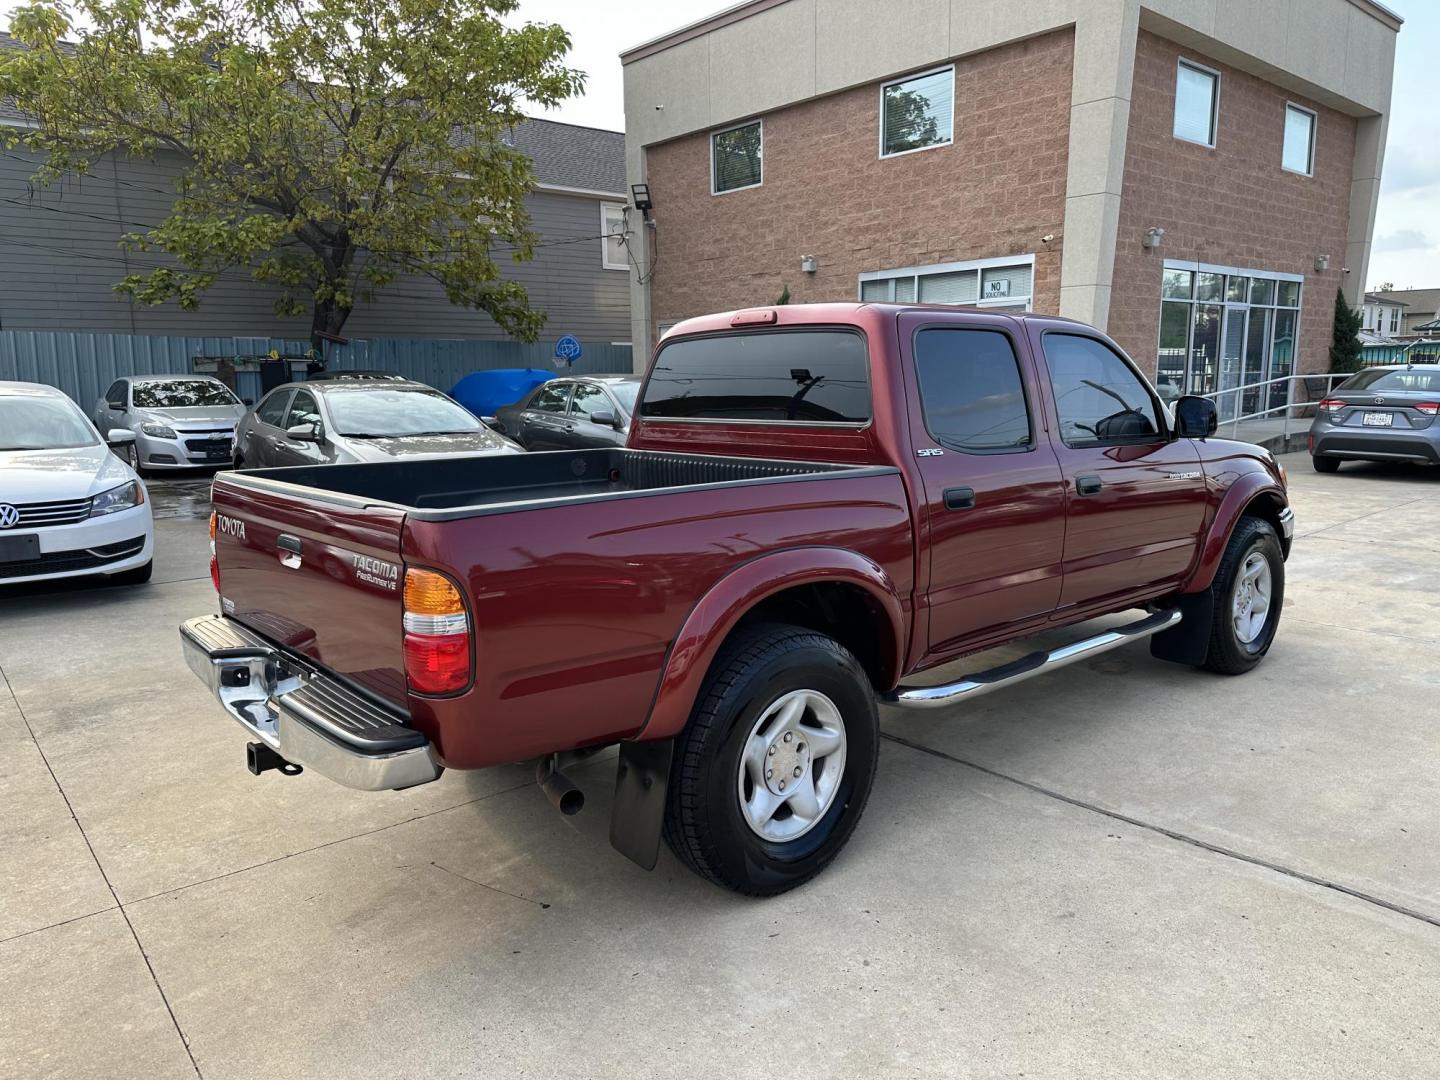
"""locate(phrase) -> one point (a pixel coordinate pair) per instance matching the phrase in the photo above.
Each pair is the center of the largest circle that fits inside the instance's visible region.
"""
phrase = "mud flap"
(1188, 642)
(638, 813)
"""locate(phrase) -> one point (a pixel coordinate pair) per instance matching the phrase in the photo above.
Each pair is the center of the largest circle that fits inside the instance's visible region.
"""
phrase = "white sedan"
(68, 506)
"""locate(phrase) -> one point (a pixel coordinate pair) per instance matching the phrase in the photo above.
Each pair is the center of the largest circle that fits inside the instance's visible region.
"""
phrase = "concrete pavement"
(1122, 869)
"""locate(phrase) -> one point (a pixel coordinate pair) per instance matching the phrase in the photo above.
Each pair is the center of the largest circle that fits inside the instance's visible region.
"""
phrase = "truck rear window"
(778, 376)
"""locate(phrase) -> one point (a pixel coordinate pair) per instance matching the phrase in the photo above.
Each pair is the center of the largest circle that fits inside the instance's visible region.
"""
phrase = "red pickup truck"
(816, 504)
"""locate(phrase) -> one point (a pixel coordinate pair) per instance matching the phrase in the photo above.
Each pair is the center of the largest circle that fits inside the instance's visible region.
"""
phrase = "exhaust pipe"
(260, 758)
(558, 788)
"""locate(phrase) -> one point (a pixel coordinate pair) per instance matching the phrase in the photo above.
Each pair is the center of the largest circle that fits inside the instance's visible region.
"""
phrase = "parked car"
(1379, 414)
(816, 503)
(69, 507)
(570, 414)
(343, 421)
(179, 421)
(358, 375)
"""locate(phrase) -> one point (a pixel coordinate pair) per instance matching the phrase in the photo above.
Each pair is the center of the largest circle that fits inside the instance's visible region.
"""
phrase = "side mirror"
(118, 406)
(1195, 417)
(119, 436)
(603, 417)
(304, 432)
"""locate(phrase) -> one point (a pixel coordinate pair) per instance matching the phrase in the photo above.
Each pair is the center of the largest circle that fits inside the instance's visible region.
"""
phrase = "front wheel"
(1248, 592)
(773, 770)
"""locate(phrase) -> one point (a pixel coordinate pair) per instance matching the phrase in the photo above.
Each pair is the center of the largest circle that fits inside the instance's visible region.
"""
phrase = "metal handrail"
(1290, 404)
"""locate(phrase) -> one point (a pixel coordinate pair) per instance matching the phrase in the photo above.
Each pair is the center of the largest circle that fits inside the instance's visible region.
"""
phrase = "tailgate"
(321, 578)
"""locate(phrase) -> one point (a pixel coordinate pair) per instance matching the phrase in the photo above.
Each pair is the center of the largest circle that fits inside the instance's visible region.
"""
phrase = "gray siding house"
(60, 254)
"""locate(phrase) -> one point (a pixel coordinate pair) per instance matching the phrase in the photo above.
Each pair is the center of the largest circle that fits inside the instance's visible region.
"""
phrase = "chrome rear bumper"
(306, 716)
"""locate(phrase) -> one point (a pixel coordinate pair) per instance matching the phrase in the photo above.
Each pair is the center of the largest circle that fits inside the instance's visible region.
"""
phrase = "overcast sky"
(1407, 231)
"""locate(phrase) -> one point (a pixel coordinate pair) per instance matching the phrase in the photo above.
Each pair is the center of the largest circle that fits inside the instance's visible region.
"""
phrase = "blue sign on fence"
(568, 349)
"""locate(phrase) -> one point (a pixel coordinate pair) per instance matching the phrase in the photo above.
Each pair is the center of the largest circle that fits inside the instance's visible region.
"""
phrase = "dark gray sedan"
(572, 413)
(344, 421)
(1379, 414)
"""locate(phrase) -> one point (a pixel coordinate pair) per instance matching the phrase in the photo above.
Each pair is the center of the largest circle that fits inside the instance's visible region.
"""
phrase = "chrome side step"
(996, 678)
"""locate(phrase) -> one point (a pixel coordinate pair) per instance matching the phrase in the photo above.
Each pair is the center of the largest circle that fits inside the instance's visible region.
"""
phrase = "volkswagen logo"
(1379, 401)
(9, 516)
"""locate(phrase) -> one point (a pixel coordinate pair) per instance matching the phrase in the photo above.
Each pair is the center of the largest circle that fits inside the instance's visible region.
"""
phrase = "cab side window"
(553, 397)
(303, 410)
(970, 390)
(115, 396)
(1099, 398)
(272, 409)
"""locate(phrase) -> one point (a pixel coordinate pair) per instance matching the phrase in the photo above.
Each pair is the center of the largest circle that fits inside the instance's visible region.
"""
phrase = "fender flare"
(1248, 490)
(727, 602)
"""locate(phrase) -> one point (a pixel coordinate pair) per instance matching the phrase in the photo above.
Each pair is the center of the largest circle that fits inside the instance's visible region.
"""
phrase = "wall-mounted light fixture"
(1152, 237)
(1322, 263)
(809, 264)
(640, 196)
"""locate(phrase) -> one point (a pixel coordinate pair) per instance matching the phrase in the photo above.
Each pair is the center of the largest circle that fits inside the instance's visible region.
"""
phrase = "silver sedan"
(1379, 414)
(179, 421)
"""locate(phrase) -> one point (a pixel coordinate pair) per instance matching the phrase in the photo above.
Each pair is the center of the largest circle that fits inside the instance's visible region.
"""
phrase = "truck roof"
(839, 314)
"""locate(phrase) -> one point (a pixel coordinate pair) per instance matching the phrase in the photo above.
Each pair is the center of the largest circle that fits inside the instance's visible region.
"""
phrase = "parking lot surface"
(1126, 868)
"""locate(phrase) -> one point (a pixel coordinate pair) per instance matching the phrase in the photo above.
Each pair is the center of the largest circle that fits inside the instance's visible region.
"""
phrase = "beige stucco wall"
(776, 53)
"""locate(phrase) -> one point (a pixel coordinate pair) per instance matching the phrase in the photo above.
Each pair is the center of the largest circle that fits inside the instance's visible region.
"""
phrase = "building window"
(1197, 97)
(614, 255)
(1226, 329)
(917, 113)
(1005, 284)
(735, 155)
(1299, 152)
(1394, 320)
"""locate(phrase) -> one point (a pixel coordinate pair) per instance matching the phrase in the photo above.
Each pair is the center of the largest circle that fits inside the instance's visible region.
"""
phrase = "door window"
(303, 410)
(551, 398)
(115, 396)
(1100, 401)
(272, 409)
(588, 400)
(970, 390)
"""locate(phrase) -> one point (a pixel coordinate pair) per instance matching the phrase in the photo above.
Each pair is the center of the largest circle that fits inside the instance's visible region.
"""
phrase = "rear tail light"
(437, 634)
(214, 562)
(1429, 408)
(1331, 405)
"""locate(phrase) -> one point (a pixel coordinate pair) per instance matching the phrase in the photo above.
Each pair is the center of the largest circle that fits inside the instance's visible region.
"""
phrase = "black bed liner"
(464, 485)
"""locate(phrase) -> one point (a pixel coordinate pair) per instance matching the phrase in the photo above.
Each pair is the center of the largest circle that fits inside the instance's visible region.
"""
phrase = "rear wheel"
(1248, 592)
(773, 770)
(1325, 464)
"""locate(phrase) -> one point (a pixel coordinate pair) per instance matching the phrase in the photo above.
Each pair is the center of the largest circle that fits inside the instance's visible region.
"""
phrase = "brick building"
(1195, 176)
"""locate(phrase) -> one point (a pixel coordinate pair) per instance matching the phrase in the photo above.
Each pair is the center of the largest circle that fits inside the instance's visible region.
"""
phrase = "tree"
(1345, 347)
(326, 147)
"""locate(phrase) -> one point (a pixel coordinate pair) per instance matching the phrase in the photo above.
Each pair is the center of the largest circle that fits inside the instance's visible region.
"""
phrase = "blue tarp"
(482, 392)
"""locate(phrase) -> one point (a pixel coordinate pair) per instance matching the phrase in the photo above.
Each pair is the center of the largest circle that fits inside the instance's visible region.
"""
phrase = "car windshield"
(1418, 380)
(182, 394)
(626, 393)
(388, 412)
(42, 423)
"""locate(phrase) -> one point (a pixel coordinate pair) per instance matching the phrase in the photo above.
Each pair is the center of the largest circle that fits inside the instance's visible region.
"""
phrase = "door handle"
(960, 498)
(1088, 485)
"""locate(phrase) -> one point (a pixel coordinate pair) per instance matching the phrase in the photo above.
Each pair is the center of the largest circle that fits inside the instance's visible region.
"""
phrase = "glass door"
(1232, 358)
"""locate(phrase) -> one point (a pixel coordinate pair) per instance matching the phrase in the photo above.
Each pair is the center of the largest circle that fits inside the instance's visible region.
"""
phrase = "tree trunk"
(328, 317)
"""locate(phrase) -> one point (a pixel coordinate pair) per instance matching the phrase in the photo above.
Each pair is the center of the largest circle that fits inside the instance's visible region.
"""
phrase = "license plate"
(19, 548)
(1378, 419)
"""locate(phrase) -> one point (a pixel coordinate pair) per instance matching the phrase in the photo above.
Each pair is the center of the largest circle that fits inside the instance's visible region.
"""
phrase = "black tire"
(704, 823)
(139, 576)
(1227, 654)
(238, 463)
(1325, 464)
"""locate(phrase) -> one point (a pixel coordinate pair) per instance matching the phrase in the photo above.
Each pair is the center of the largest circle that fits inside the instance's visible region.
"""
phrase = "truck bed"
(439, 489)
